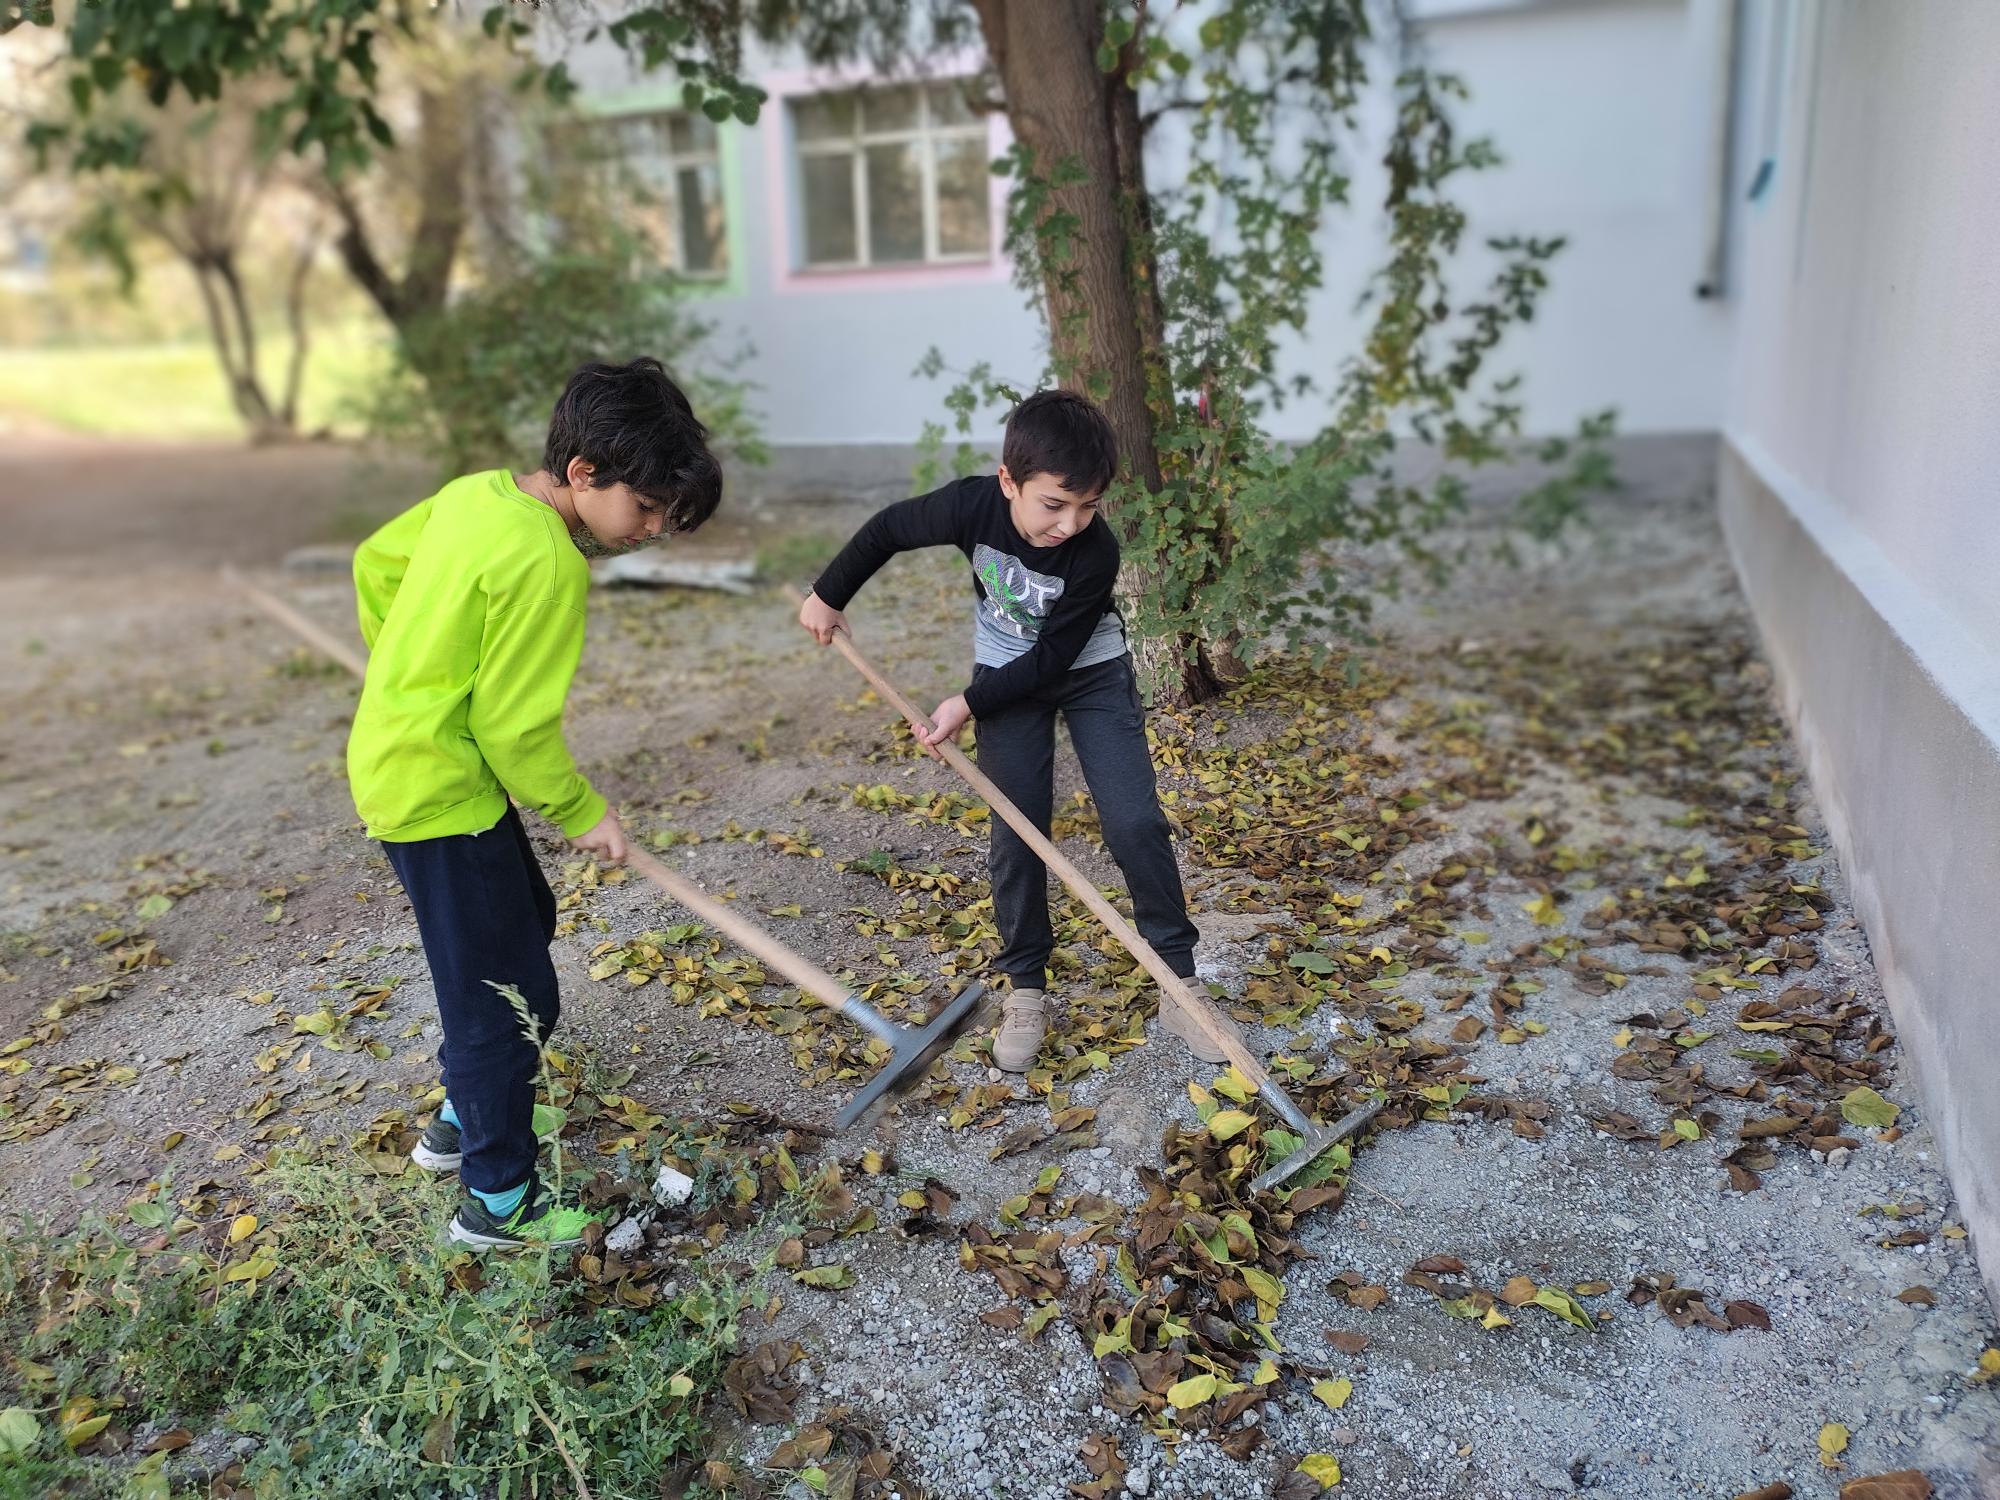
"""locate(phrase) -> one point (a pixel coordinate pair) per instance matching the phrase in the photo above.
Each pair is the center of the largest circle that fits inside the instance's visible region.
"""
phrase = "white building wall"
(1868, 356)
(1605, 112)
(1860, 491)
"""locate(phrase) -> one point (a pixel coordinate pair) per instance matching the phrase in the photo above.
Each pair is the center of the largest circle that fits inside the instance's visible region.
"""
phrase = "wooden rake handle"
(752, 939)
(1199, 1007)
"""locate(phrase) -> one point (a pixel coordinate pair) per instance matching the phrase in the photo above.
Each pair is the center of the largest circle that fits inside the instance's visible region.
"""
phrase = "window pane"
(948, 106)
(824, 117)
(963, 197)
(895, 204)
(699, 195)
(829, 194)
(890, 109)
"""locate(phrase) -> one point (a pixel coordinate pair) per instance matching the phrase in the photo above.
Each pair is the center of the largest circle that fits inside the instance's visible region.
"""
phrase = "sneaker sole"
(471, 1238)
(435, 1161)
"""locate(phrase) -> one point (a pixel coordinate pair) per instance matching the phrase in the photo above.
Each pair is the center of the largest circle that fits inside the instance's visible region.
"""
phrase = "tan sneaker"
(1023, 1022)
(1175, 1019)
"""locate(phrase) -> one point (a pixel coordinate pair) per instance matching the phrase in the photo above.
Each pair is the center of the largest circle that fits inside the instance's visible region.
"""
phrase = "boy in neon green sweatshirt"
(472, 604)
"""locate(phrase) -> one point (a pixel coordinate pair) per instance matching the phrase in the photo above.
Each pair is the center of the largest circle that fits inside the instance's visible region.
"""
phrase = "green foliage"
(474, 384)
(1233, 540)
(371, 1360)
(319, 60)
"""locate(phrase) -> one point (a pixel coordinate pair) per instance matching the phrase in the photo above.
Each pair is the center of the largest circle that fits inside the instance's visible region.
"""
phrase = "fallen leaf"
(1917, 1296)
(1744, 1314)
(1227, 1123)
(1334, 1392)
(19, 1430)
(1192, 1392)
(1832, 1443)
(833, 1278)
(1863, 1106)
(1904, 1484)
(1776, 1491)
(1321, 1468)
(1564, 1306)
(1518, 1292)
(1346, 1342)
(1441, 1265)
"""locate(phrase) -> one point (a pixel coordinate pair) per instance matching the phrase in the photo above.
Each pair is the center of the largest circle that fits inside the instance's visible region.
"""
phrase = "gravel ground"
(158, 738)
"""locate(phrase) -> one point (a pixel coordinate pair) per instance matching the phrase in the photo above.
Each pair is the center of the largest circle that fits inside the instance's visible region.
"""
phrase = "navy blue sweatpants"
(485, 913)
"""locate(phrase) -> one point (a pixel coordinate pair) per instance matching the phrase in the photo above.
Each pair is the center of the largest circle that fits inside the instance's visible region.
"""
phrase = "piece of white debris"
(672, 1187)
(626, 1236)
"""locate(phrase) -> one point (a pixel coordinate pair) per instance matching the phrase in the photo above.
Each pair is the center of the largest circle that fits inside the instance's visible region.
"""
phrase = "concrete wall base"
(1897, 711)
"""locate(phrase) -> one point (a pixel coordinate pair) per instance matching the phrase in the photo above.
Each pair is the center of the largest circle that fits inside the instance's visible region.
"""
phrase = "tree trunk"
(1102, 303)
(295, 319)
(232, 343)
(420, 291)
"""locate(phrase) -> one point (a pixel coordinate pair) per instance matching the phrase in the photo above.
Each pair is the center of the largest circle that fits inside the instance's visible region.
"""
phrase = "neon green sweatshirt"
(472, 606)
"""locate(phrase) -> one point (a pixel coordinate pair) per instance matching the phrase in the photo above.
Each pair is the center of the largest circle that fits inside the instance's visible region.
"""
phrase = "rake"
(1213, 1024)
(912, 1049)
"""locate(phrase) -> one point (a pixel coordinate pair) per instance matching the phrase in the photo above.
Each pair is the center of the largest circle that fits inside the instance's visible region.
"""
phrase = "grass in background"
(177, 390)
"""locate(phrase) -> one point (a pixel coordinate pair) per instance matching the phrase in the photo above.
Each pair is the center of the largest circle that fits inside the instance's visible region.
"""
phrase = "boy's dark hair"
(1062, 434)
(633, 426)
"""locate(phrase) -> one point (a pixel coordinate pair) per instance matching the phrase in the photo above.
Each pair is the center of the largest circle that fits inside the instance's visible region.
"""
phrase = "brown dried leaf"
(1904, 1484)
(1519, 1291)
(1744, 1314)
(1347, 1342)
(1917, 1296)
(1440, 1265)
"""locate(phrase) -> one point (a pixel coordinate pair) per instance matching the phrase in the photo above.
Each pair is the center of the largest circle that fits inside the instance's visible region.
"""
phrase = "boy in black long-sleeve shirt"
(1047, 639)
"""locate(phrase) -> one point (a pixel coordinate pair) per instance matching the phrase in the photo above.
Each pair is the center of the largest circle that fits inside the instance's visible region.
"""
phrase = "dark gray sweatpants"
(1017, 748)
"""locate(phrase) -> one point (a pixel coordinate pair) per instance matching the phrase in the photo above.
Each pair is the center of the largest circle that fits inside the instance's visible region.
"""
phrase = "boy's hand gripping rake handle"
(1198, 1007)
(911, 1049)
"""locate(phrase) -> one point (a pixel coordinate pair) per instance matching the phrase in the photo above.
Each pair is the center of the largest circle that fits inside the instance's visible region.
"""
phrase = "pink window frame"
(781, 186)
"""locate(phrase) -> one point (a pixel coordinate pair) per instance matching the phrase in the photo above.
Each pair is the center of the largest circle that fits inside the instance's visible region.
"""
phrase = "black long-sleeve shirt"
(1039, 612)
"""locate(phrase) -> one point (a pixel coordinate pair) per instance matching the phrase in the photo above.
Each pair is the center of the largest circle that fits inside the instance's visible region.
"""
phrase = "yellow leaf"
(1543, 910)
(872, 1162)
(1989, 1366)
(679, 1385)
(1832, 1443)
(1191, 1392)
(82, 1432)
(1267, 1371)
(1334, 1392)
(242, 1227)
(1227, 1123)
(1321, 1468)
(1266, 1288)
(1624, 1037)
(173, 1139)
(1495, 1319)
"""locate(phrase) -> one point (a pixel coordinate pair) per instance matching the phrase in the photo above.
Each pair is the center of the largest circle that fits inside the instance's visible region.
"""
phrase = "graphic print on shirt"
(1016, 600)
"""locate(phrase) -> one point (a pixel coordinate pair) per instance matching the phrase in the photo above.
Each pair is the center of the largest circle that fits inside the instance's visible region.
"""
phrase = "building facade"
(854, 227)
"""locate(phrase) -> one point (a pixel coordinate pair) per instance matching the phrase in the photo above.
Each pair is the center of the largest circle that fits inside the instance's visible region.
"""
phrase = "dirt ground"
(184, 877)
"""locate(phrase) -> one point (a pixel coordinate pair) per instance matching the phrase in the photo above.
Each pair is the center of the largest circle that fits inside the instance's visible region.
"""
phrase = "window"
(892, 176)
(666, 165)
